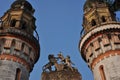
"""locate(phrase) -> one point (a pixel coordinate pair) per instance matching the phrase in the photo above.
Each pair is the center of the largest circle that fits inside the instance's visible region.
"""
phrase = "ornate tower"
(100, 43)
(19, 48)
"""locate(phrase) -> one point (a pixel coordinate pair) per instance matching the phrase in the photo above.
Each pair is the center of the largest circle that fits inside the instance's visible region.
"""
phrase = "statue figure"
(69, 63)
(47, 66)
(60, 56)
(66, 61)
(65, 64)
(51, 62)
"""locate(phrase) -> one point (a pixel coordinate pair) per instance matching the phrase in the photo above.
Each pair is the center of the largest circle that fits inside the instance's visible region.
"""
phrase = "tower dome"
(18, 4)
(91, 3)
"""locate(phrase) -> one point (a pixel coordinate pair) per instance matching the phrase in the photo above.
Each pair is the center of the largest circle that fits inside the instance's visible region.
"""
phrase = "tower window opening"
(24, 25)
(102, 73)
(12, 46)
(2, 42)
(99, 39)
(109, 36)
(18, 74)
(93, 22)
(22, 47)
(13, 23)
(119, 36)
(103, 19)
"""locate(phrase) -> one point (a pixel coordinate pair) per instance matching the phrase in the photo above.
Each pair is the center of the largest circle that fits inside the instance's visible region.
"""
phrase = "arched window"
(22, 47)
(2, 42)
(93, 22)
(23, 25)
(99, 40)
(18, 74)
(13, 23)
(12, 46)
(13, 43)
(109, 36)
(102, 73)
(103, 19)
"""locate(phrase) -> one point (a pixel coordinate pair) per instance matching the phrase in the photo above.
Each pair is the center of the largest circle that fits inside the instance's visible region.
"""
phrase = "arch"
(13, 23)
(102, 73)
(13, 42)
(23, 25)
(99, 39)
(103, 19)
(2, 42)
(18, 74)
(22, 47)
(93, 22)
(12, 46)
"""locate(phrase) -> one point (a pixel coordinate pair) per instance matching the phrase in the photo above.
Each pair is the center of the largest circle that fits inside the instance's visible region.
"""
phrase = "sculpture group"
(59, 63)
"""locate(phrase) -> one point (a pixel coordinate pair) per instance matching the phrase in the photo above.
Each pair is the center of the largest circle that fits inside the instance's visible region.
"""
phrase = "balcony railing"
(118, 19)
(83, 32)
(13, 29)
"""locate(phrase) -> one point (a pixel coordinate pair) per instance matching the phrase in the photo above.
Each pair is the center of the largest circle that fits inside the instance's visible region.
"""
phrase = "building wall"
(111, 69)
(8, 70)
(101, 50)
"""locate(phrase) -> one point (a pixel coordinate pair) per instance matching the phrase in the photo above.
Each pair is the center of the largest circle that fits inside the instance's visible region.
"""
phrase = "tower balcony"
(20, 32)
(100, 40)
(83, 32)
(19, 46)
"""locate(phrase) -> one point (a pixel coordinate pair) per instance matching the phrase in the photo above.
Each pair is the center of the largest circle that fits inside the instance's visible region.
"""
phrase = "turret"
(19, 48)
(100, 42)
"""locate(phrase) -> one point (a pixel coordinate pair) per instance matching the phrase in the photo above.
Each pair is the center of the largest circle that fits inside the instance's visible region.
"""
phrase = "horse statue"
(66, 63)
(61, 57)
(49, 65)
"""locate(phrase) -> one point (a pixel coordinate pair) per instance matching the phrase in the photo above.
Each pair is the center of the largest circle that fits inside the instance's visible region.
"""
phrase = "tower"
(100, 42)
(19, 48)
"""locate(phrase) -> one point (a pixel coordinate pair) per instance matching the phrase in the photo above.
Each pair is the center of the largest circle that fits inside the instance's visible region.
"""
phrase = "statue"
(65, 63)
(47, 66)
(51, 62)
(68, 62)
(61, 57)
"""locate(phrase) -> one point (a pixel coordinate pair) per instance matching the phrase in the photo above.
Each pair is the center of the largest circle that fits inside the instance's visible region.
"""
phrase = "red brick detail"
(90, 39)
(104, 55)
(15, 59)
(23, 39)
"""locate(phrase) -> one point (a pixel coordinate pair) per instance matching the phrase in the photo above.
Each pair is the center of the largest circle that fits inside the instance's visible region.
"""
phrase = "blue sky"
(59, 23)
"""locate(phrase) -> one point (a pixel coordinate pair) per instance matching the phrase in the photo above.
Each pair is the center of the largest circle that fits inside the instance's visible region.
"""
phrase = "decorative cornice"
(96, 30)
(14, 32)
